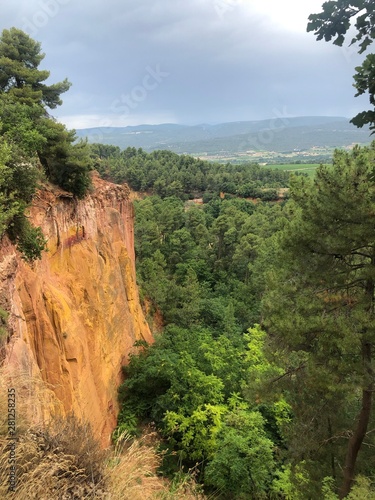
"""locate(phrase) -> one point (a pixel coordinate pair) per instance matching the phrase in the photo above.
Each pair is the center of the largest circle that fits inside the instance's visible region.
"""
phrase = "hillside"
(280, 135)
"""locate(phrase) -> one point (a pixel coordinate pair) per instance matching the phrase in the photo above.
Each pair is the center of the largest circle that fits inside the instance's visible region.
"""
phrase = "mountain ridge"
(280, 134)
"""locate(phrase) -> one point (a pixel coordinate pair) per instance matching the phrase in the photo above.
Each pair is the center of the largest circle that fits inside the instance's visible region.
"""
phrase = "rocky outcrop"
(74, 314)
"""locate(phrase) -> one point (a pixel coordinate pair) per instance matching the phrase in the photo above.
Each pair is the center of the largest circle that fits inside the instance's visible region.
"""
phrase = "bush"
(243, 464)
(30, 240)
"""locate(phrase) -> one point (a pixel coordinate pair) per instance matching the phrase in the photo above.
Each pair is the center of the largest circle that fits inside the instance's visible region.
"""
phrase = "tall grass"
(130, 473)
(58, 458)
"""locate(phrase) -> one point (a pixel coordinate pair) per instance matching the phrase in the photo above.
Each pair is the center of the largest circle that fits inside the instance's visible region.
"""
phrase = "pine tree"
(319, 312)
(20, 57)
(24, 103)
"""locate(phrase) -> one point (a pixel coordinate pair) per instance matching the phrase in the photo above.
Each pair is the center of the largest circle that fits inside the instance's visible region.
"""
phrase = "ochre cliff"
(74, 314)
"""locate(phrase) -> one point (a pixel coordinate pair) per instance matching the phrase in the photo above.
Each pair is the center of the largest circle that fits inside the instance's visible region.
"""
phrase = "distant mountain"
(276, 134)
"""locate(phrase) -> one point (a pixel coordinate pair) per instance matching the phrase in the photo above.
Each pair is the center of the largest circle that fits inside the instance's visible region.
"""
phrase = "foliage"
(198, 432)
(334, 22)
(29, 239)
(291, 482)
(169, 174)
(195, 264)
(26, 124)
(18, 124)
(274, 409)
(17, 183)
(20, 57)
(362, 489)
(9, 206)
(244, 463)
(31, 139)
(181, 384)
(65, 162)
(318, 310)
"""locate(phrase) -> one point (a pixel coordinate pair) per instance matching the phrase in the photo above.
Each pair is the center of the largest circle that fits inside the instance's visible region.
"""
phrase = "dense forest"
(168, 174)
(261, 377)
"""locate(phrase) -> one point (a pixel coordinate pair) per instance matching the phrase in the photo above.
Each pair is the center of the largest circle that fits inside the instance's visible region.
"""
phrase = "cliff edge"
(75, 314)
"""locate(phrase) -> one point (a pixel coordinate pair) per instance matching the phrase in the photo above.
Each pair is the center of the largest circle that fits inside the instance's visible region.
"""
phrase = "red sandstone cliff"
(75, 314)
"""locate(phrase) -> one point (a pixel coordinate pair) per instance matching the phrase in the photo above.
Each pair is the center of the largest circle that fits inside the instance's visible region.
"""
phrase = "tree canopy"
(20, 57)
(333, 23)
(34, 145)
(169, 174)
(24, 99)
(319, 312)
(264, 371)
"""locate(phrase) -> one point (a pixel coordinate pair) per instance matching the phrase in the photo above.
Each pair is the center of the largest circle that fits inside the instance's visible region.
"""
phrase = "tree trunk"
(356, 439)
(330, 435)
(44, 164)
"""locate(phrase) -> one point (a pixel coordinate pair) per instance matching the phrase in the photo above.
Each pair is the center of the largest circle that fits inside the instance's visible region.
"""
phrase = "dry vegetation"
(62, 460)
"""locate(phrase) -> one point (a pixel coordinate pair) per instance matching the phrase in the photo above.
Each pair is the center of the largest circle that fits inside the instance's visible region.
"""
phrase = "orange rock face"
(75, 314)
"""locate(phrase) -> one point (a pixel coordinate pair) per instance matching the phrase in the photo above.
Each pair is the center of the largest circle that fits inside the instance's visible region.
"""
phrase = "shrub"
(30, 240)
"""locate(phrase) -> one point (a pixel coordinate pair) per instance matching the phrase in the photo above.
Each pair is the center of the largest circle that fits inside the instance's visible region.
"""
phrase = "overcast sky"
(187, 61)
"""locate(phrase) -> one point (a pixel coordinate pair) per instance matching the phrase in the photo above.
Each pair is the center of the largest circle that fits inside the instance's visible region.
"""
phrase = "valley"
(278, 140)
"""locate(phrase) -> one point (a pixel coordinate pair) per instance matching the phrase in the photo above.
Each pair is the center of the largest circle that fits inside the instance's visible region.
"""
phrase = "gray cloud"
(219, 59)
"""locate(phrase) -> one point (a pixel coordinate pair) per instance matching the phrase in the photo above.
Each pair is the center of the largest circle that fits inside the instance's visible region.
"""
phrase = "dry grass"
(63, 461)
(36, 403)
(131, 473)
(63, 465)
(131, 469)
(60, 459)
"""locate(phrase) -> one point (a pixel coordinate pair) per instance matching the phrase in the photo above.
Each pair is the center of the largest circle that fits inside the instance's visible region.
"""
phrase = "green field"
(307, 168)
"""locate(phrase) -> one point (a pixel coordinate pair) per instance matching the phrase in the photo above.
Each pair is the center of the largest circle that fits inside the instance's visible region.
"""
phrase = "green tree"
(65, 162)
(154, 278)
(18, 125)
(9, 206)
(195, 434)
(193, 262)
(20, 57)
(26, 123)
(334, 22)
(17, 185)
(319, 312)
(186, 300)
(30, 240)
(243, 464)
